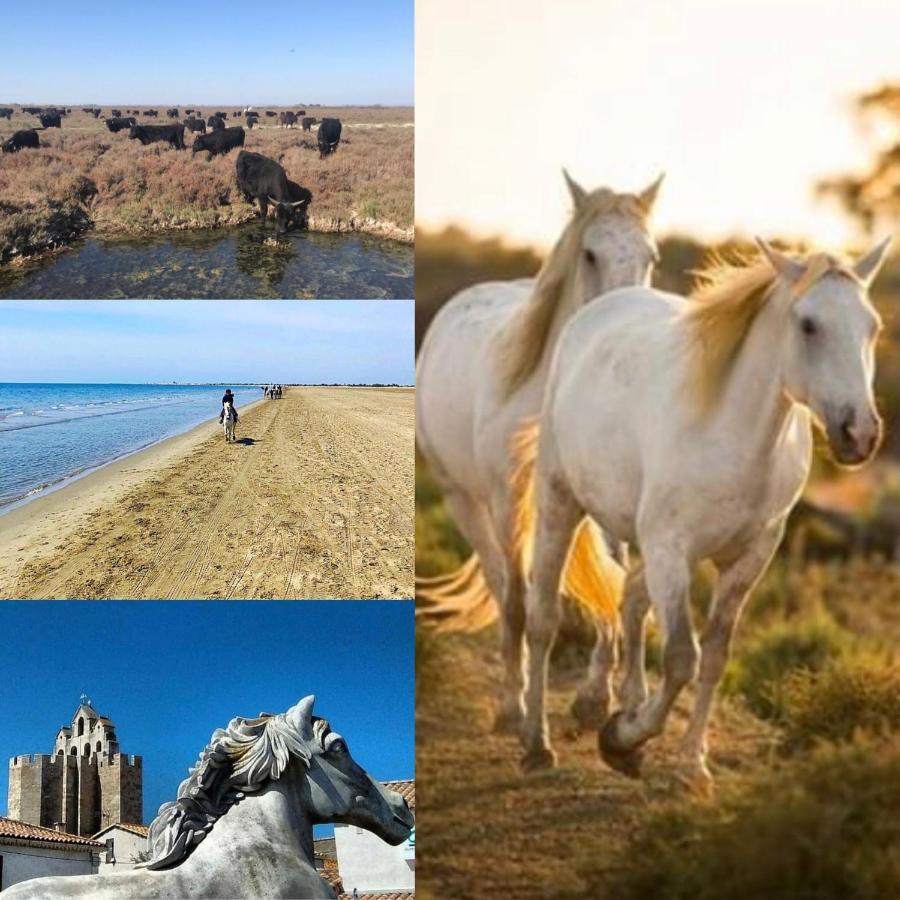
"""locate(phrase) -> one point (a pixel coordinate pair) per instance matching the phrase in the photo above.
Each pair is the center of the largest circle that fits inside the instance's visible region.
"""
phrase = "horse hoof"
(626, 760)
(538, 760)
(589, 712)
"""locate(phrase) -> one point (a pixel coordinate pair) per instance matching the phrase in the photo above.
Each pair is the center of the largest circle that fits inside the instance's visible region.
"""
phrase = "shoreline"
(67, 481)
(313, 500)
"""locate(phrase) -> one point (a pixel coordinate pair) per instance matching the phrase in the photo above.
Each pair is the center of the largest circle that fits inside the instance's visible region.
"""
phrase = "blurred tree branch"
(875, 193)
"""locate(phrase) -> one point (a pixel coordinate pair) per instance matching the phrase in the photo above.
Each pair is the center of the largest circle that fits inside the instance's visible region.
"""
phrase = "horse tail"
(459, 601)
(591, 578)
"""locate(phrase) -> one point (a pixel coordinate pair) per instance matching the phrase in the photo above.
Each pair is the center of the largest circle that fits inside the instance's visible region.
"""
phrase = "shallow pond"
(237, 263)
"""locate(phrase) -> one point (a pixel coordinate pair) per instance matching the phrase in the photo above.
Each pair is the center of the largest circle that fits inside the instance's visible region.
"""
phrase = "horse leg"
(558, 514)
(474, 521)
(635, 606)
(736, 581)
(590, 707)
(668, 581)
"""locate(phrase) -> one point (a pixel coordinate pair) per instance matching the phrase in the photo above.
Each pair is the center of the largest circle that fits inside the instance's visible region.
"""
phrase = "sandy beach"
(315, 500)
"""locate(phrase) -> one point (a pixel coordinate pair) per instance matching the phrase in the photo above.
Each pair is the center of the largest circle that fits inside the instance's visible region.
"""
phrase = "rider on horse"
(228, 398)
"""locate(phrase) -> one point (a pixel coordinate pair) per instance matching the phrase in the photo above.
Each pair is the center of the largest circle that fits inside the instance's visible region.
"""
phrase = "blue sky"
(169, 673)
(282, 52)
(131, 341)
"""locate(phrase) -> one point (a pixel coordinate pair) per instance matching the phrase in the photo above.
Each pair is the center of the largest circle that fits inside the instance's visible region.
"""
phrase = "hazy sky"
(169, 673)
(743, 104)
(208, 51)
(288, 341)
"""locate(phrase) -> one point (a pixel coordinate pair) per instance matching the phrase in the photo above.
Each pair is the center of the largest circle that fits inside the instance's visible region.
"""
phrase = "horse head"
(295, 747)
(339, 789)
(829, 358)
(606, 244)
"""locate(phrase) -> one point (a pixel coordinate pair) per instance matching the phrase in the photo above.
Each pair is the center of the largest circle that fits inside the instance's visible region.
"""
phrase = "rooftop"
(130, 827)
(12, 828)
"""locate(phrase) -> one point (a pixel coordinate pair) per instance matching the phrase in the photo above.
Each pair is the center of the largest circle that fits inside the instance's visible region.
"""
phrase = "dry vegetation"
(84, 176)
(805, 743)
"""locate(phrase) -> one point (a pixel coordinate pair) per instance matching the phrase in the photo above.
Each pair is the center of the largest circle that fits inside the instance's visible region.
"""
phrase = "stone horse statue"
(242, 823)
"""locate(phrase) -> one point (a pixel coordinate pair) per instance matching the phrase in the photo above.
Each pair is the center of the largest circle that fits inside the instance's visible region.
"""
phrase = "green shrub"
(757, 672)
(847, 696)
(823, 827)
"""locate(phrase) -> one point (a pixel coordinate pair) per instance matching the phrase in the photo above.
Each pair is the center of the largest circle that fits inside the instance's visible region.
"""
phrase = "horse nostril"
(847, 431)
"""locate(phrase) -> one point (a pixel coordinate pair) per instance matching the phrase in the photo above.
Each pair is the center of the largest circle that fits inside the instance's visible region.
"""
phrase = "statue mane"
(238, 760)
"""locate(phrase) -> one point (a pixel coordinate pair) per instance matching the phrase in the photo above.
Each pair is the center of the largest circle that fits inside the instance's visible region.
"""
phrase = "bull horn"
(297, 203)
(273, 200)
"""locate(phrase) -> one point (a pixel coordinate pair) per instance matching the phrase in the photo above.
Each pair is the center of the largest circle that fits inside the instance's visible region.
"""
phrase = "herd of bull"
(221, 138)
(259, 179)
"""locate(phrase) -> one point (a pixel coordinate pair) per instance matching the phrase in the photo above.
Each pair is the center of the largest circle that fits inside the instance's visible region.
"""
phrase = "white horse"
(242, 825)
(684, 426)
(481, 371)
(229, 418)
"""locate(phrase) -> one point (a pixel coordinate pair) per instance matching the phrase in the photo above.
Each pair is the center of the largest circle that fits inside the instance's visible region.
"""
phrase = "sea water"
(50, 433)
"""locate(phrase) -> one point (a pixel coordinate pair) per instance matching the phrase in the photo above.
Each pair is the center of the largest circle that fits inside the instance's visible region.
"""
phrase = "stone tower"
(84, 785)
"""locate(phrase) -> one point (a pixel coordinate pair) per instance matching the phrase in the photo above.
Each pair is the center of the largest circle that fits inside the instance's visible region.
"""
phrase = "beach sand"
(316, 500)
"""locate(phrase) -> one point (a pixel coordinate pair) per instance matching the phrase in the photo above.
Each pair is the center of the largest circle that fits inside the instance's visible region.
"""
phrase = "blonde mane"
(722, 307)
(522, 344)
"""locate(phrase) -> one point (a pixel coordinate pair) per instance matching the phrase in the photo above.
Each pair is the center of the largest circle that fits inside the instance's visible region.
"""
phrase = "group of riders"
(272, 391)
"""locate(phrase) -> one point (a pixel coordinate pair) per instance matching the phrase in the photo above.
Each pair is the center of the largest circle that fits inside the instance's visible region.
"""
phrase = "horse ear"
(867, 267)
(301, 715)
(783, 265)
(647, 197)
(579, 194)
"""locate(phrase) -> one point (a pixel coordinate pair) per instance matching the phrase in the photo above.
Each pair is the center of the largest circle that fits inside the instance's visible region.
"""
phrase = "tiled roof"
(393, 895)
(139, 830)
(11, 828)
(406, 789)
(333, 878)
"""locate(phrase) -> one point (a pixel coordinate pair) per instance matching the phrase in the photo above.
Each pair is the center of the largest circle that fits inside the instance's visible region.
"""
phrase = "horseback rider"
(228, 397)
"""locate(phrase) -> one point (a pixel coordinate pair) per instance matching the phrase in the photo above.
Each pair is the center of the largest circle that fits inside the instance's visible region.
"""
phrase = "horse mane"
(238, 760)
(523, 342)
(727, 296)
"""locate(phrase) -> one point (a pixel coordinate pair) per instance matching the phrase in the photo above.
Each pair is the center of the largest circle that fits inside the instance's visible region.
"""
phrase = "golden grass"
(126, 188)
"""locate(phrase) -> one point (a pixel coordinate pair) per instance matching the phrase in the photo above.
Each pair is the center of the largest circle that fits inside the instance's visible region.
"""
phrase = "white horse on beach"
(481, 371)
(229, 419)
(683, 426)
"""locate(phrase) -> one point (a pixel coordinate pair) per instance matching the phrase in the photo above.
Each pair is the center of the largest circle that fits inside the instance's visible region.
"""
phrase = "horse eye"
(338, 747)
(808, 326)
(590, 257)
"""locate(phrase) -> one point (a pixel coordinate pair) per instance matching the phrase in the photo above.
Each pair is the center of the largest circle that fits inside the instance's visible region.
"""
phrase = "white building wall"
(126, 847)
(369, 864)
(22, 863)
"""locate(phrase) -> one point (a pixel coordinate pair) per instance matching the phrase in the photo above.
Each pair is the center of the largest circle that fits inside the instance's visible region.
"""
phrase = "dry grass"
(124, 187)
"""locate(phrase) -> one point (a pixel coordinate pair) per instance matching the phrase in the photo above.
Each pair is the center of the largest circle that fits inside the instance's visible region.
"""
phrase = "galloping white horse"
(481, 371)
(229, 418)
(684, 426)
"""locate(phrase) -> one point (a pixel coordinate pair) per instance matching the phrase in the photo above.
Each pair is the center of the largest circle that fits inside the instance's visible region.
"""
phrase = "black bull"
(219, 141)
(20, 140)
(329, 136)
(118, 123)
(151, 134)
(262, 179)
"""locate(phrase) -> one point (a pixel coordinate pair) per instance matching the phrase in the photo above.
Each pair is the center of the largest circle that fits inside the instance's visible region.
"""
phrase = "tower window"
(80, 727)
(74, 751)
(99, 745)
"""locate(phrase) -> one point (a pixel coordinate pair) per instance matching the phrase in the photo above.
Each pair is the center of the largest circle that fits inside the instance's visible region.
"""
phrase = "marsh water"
(237, 263)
